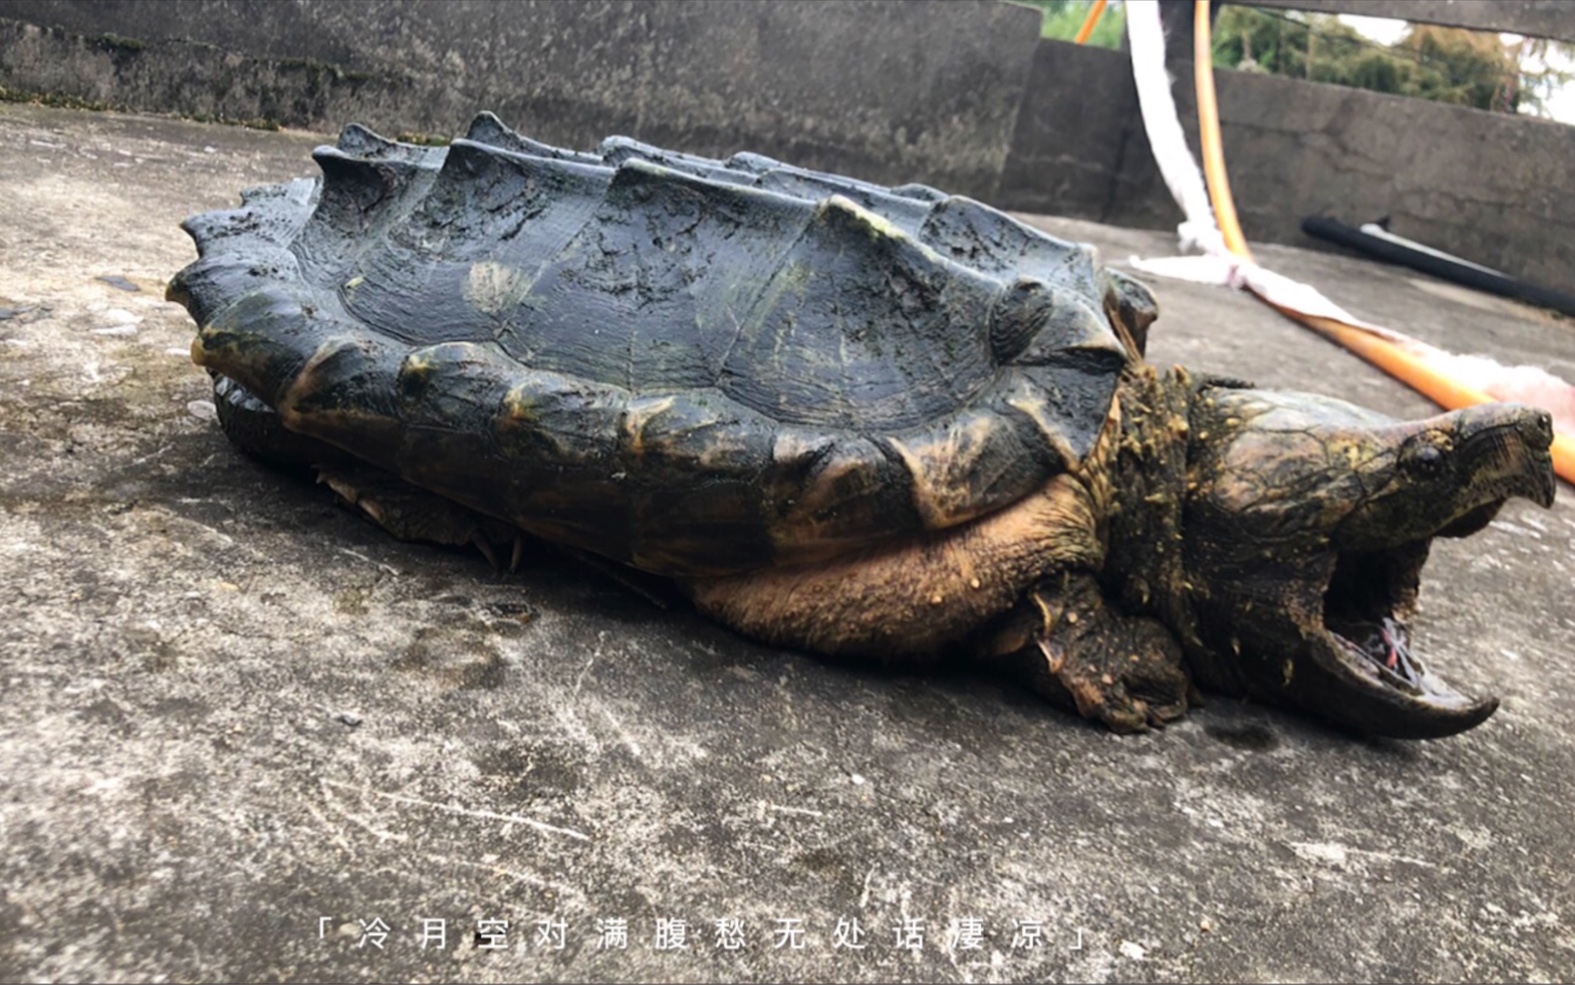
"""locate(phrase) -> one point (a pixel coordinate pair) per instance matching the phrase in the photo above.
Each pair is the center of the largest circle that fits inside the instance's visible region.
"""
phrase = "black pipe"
(1459, 273)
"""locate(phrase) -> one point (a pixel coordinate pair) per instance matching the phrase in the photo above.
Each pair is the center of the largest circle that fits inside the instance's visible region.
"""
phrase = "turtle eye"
(1423, 459)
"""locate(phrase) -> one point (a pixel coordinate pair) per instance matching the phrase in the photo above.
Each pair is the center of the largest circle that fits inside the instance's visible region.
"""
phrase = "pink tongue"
(1386, 645)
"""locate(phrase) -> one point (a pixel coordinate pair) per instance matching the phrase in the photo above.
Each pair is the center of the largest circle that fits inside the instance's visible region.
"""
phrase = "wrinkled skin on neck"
(1287, 554)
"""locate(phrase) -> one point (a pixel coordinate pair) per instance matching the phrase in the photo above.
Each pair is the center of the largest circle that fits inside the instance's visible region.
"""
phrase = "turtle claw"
(491, 536)
(1107, 699)
(1123, 671)
(485, 547)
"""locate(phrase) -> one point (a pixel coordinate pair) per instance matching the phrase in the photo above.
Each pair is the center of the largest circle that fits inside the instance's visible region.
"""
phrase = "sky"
(1384, 30)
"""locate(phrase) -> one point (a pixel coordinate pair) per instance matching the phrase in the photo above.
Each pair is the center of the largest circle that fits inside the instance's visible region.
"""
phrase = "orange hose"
(1403, 366)
(1084, 32)
(1209, 132)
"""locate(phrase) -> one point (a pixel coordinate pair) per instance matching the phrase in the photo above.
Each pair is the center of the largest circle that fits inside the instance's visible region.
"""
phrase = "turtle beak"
(1449, 475)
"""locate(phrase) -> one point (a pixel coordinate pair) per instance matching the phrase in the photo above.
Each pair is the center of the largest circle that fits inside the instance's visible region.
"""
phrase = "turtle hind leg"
(256, 429)
(413, 514)
(1070, 646)
(407, 512)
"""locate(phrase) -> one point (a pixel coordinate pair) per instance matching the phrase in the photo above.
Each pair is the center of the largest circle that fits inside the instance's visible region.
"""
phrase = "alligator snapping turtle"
(848, 418)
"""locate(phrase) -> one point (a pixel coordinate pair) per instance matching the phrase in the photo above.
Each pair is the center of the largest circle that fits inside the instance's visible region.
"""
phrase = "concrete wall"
(883, 89)
(958, 94)
(1490, 187)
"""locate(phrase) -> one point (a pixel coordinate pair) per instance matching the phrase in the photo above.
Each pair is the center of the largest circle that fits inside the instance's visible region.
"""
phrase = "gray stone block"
(887, 91)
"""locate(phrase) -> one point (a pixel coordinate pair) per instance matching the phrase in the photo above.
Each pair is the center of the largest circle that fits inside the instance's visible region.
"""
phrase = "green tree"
(1450, 65)
(1062, 18)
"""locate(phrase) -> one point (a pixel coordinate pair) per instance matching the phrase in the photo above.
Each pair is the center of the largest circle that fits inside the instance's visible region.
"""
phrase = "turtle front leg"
(1071, 646)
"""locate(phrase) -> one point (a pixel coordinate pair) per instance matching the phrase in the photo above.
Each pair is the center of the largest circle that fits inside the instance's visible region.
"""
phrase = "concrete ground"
(240, 723)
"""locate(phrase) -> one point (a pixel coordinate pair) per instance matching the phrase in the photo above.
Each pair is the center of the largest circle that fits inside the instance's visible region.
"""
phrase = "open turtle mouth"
(1367, 608)
(1371, 593)
(1363, 671)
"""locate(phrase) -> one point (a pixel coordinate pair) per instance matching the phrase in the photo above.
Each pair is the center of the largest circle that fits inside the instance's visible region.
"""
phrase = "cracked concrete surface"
(239, 720)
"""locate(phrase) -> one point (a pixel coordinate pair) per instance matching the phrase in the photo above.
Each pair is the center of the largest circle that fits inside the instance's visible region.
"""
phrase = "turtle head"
(1306, 526)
